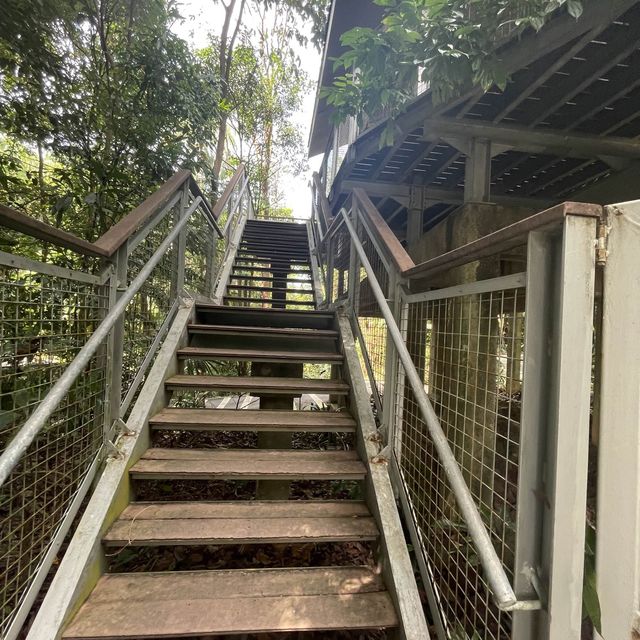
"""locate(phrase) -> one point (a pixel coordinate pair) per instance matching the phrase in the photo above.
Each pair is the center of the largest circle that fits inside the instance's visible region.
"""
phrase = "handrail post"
(329, 274)
(391, 360)
(177, 283)
(116, 342)
(354, 267)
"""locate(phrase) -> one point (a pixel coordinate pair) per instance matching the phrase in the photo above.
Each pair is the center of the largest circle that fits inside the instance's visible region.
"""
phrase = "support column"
(117, 341)
(477, 176)
(414, 216)
(279, 298)
(275, 489)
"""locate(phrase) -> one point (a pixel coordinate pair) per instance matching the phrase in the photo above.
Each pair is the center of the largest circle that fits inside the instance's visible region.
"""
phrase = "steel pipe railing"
(497, 578)
(38, 419)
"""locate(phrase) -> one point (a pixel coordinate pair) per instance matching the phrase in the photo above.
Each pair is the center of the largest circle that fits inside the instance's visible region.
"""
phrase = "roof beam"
(612, 54)
(533, 78)
(401, 193)
(535, 141)
(516, 54)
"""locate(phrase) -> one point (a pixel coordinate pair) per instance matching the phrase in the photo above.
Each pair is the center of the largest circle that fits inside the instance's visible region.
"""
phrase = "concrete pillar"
(275, 489)
(477, 176)
(414, 226)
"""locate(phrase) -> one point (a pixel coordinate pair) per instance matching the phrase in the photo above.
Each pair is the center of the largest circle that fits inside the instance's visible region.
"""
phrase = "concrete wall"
(468, 223)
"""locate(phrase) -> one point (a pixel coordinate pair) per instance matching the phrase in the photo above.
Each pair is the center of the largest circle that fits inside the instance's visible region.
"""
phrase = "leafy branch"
(449, 44)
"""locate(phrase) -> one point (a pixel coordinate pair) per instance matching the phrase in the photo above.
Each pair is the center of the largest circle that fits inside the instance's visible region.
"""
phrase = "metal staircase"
(272, 261)
(227, 601)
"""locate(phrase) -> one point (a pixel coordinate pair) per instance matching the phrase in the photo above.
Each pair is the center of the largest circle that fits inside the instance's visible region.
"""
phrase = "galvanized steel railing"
(80, 324)
(455, 369)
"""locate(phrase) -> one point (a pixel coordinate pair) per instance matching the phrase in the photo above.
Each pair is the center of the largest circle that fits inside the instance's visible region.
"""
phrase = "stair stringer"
(396, 567)
(84, 560)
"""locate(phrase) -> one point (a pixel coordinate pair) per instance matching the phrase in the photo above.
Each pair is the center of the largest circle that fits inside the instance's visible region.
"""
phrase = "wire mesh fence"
(148, 310)
(51, 302)
(468, 350)
(373, 327)
(204, 250)
(340, 250)
(46, 316)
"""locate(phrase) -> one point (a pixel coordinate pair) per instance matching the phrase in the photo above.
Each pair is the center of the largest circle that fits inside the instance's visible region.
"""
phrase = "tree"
(451, 43)
(311, 11)
(264, 90)
(109, 96)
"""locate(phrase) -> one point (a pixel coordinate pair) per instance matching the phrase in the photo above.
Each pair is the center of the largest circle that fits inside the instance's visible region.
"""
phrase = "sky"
(205, 16)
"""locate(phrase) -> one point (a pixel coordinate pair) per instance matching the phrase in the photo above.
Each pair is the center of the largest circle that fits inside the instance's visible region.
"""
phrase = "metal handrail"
(108, 244)
(497, 578)
(36, 422)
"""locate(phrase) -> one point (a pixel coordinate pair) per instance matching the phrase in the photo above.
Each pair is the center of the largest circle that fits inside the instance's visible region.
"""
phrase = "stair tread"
(254, 268)
(253, 420)
(248, 464)
(241, 523)
(257, 355)
(149, 510)
(204, 306)
(270, 279)
(171, 604)
(280, 331)
(281, 265)
(247, 287)
(258, 384)
(307, 303)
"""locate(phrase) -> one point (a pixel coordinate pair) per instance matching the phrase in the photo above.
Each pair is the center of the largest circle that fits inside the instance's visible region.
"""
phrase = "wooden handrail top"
(503, 239)
(228, 190)
(107, 245)
(12, 219)
(116, 236)
(389, 240)
(194, 187)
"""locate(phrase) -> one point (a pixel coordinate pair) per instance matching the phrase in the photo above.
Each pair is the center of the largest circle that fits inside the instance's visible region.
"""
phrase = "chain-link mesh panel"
(468, 350)
(149, 308)
(372, 324)
(340, 248)
(44, 321)
(203, 253)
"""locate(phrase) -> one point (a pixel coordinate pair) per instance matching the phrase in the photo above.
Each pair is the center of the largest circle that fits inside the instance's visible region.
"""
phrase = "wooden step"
(252, 420)
(248, 522)
(255, 316)
(249, 601)
(298, 334)
(258, 355)
(288, 251)
(259, 385)
(306, 303)
(283, 263)
(251, 267)
(245, 287)
(275, 243)
(248, 464)
(265, 226)
(270, 279)
(262, 243)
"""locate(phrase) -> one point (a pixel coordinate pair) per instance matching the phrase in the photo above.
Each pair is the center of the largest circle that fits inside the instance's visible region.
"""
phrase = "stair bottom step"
(191, 603)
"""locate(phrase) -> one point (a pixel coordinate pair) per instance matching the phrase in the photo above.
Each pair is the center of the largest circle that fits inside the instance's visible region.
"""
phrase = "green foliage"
(111, 98)
(263, 92)
(451, 44)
